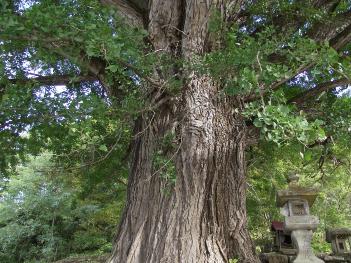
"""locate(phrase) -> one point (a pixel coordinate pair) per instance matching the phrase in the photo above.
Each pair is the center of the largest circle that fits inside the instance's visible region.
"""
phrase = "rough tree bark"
(203, 217)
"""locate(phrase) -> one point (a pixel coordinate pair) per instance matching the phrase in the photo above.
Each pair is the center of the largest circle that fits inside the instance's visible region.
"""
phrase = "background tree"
(195, 79)
(46, 214)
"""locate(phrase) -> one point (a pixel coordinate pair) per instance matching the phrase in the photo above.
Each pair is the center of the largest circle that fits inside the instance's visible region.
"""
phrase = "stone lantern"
(295, 203)
(340, 240)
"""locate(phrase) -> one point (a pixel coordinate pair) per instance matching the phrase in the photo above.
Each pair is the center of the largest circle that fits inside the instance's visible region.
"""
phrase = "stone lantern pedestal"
(295, 203)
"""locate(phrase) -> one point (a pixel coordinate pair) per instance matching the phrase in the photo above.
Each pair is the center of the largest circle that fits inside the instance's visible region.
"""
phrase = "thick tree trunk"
(202, 217)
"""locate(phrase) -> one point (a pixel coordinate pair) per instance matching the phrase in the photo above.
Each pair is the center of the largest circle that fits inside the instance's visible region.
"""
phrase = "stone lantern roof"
(295, 191)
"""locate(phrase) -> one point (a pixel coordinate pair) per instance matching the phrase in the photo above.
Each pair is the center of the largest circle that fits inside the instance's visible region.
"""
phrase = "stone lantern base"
(302, 240)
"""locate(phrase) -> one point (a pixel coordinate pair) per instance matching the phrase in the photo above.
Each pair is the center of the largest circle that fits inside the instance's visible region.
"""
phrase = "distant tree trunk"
(202, 217)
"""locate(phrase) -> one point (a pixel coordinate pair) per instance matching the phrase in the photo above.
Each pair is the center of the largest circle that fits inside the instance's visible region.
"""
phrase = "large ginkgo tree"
(198, 80)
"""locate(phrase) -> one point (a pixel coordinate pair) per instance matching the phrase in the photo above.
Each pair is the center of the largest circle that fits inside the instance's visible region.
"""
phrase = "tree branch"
(276, 85)
(252, 135)
(323, 87)
(53, 80)
(138, 72)
(337, 42)
(342, 39)
(294, 19)
(330, 28)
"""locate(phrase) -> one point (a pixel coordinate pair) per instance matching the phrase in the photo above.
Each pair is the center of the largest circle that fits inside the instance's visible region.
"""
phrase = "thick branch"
(342, 39)
(323, 87)
(94, 66)
(337, 42)
(295, 19)
(328, 5)
(276, 85)
(54, 80)
(330, 28)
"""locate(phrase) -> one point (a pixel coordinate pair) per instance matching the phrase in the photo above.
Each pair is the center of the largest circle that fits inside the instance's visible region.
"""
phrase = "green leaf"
(321, 134)
(103, 148)
(112, 68)
(308, 155)
(257, 123)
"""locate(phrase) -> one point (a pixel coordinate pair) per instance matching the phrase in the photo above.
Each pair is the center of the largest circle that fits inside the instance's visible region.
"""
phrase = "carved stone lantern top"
(296, 192)
(293, 180)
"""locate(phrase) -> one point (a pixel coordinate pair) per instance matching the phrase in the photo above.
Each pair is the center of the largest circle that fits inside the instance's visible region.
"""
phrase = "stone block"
(301, 222)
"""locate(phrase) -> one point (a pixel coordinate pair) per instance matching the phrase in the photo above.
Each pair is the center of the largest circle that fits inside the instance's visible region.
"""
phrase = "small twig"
(258, 61)
(139, 72)
(147, 126)
(260, 86)
(176, 28)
